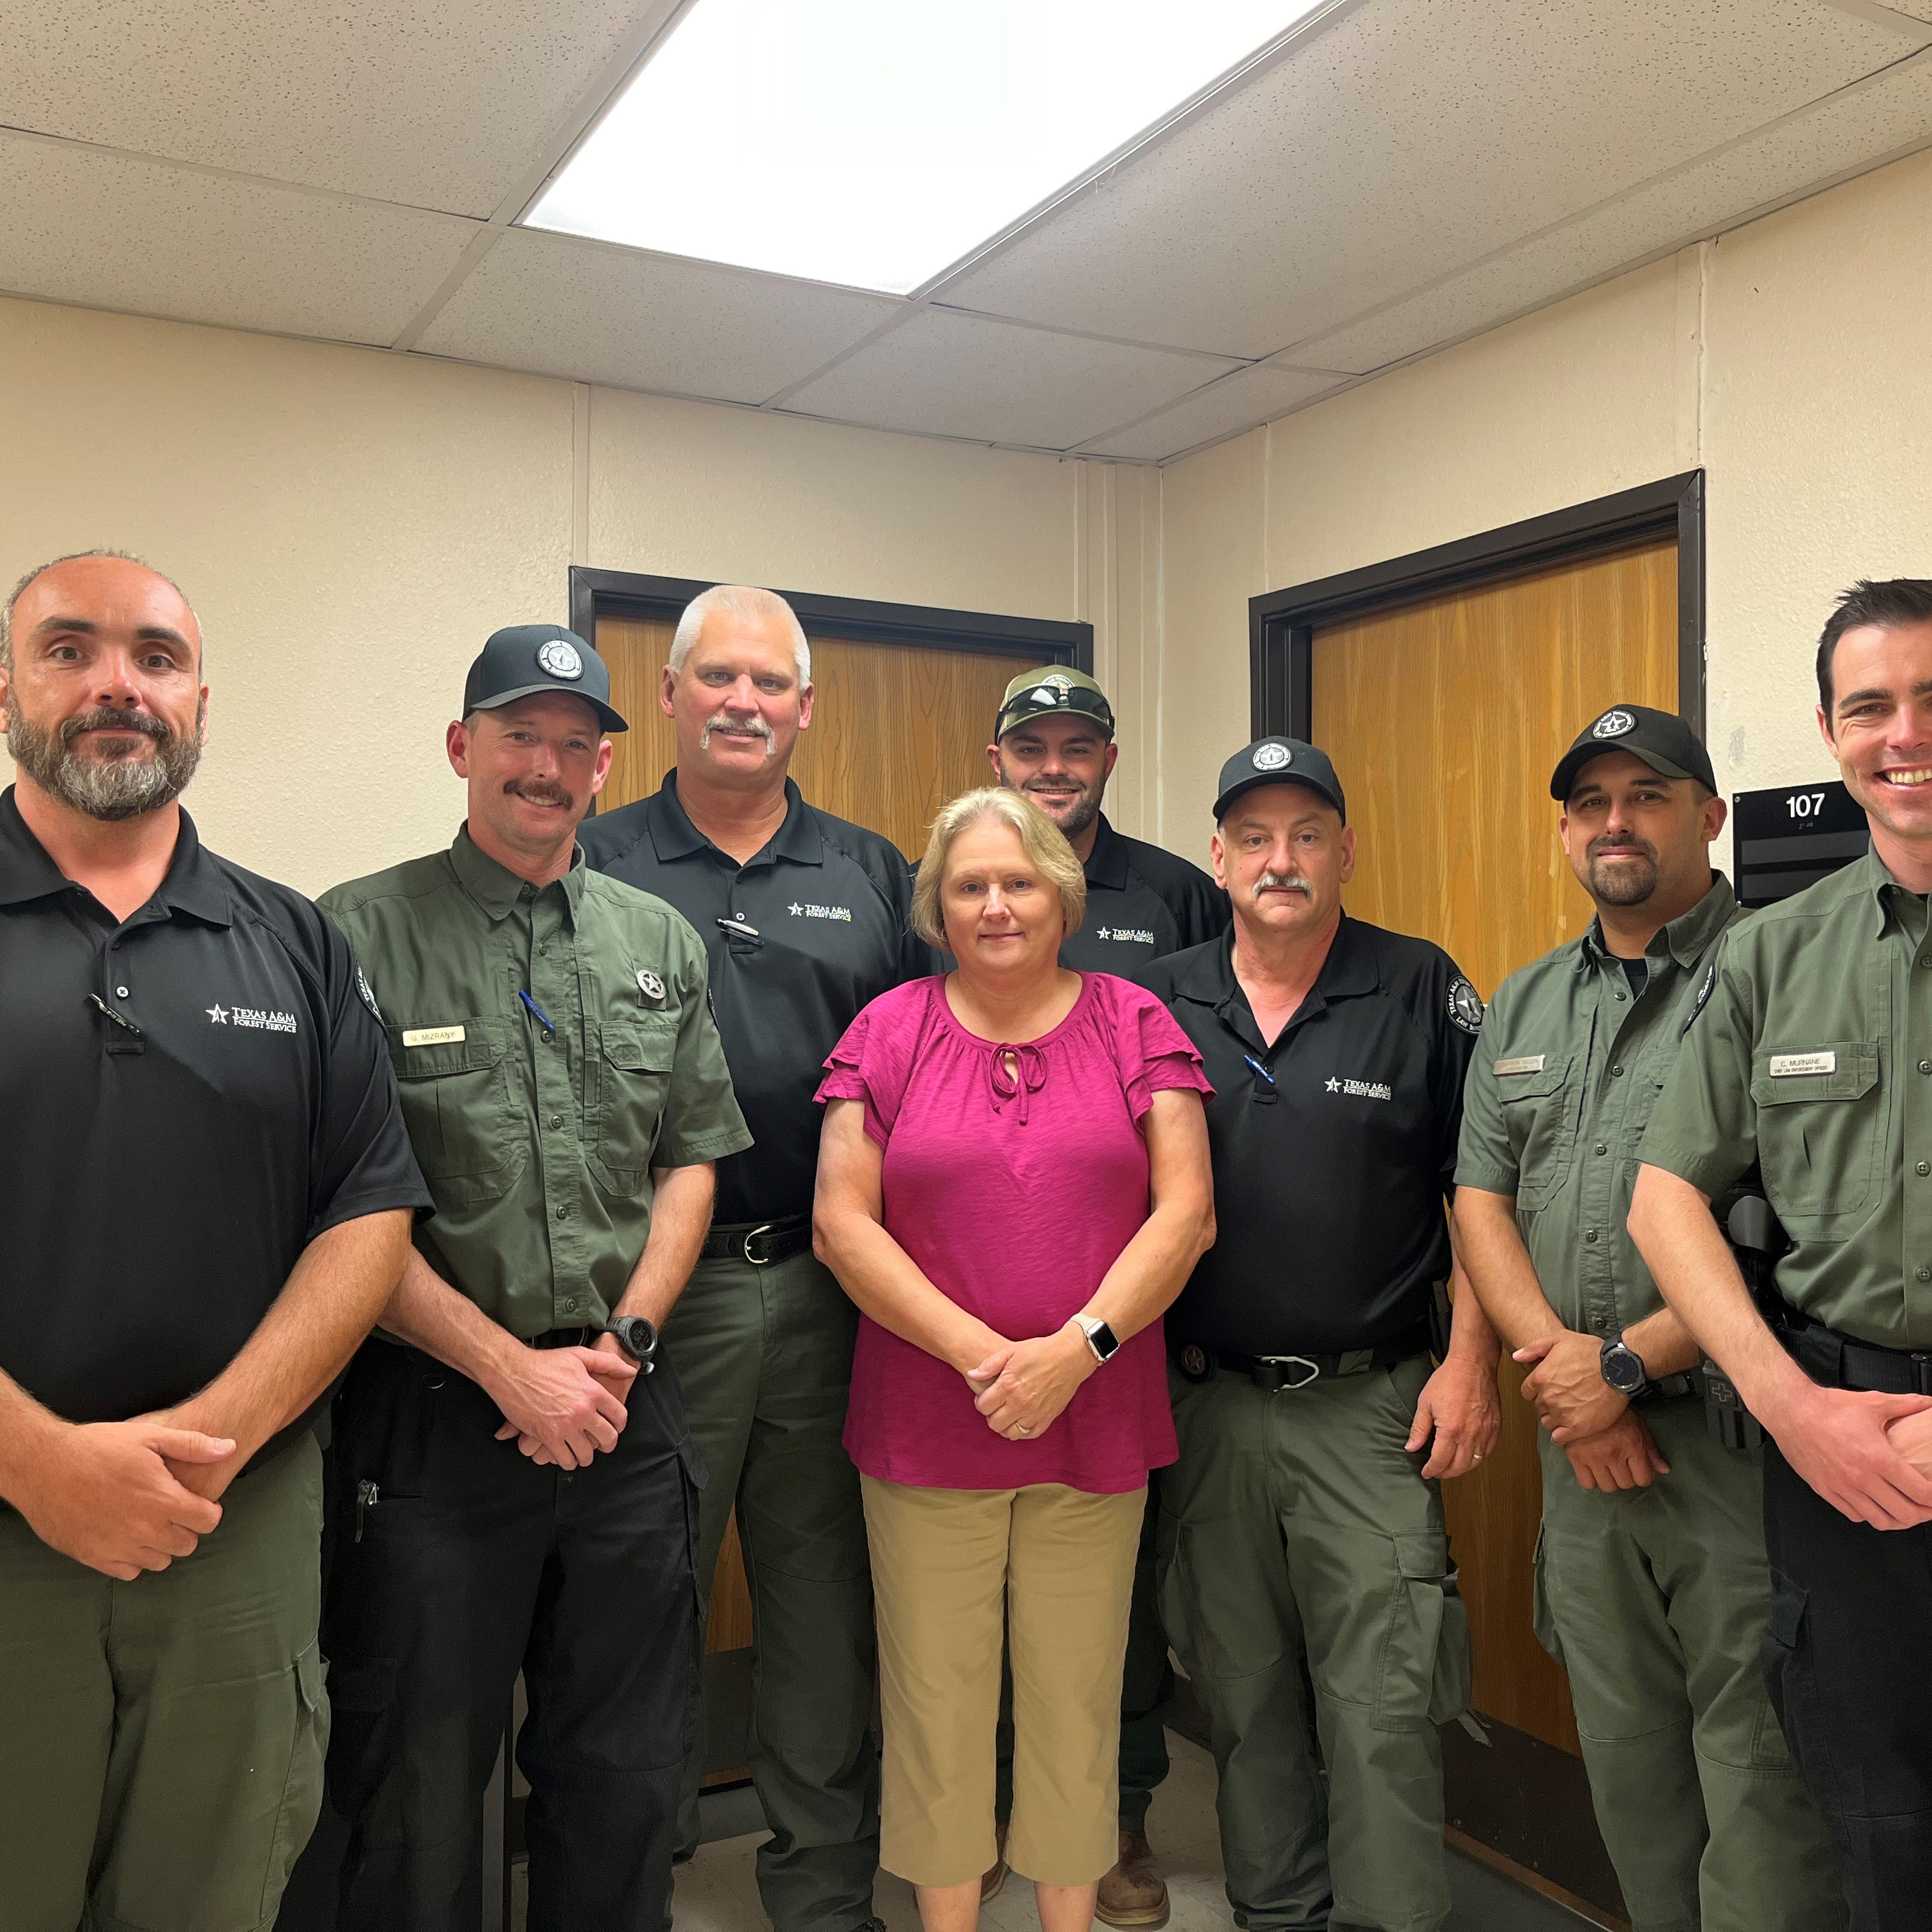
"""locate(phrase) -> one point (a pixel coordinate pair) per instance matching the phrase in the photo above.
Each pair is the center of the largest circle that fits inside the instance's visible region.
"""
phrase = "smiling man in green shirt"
(515, 1487)
(1652, 1586)
(1813, 1056)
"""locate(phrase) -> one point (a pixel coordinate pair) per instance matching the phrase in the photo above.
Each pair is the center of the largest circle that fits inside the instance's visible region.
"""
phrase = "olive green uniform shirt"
(1559, 1095)
(538, 1142)
(1812, 1055)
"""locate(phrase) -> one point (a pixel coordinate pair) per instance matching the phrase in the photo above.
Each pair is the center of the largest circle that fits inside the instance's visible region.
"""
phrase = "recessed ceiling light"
(875, 142)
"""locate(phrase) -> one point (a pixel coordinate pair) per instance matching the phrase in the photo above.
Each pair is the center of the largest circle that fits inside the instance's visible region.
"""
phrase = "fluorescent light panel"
(874, 142)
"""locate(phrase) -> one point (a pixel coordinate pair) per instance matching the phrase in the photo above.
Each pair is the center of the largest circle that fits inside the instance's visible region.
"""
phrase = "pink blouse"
(1014, 1197)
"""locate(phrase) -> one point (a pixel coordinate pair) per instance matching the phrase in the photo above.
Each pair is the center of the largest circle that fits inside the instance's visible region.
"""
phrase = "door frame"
(624, 593)
(1282, 624)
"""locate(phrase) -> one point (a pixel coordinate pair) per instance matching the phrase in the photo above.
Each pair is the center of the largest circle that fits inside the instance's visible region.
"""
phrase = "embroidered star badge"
(797, 911)
(218, 1014)
(1334, 1086)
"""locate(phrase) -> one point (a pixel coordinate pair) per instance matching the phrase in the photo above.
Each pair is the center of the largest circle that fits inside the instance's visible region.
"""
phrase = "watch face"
(1623, 1369)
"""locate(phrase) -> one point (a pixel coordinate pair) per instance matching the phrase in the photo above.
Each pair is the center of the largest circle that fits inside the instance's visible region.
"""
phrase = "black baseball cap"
(1660, 739)
(526, 658)
(1279, 761)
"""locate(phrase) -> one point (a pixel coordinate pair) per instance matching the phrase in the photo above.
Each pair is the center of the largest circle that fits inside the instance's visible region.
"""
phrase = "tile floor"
(717, 1892)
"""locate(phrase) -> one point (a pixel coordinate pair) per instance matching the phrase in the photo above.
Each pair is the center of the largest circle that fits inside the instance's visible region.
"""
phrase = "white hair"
(754, 605)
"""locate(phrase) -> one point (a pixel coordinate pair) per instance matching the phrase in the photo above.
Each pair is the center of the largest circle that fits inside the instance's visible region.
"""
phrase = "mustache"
(542, 791)
(726, 726)
(1279, 882)
(1625, 841)
(115, 718)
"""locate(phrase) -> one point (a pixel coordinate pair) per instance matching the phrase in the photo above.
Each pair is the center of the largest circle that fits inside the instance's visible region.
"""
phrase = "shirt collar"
(1350, 970)
(1107, 863)
(194, 883)
(1687, 938)
(674, 836)
(1869, 874)
(496, 888)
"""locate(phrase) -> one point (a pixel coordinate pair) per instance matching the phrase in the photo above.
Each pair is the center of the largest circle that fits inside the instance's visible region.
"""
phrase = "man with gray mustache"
(1303, 1520)
(806, 919)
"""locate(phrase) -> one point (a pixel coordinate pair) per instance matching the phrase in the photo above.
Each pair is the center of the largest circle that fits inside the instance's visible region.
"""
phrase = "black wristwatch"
(636, 1336)
(1102, 1339)
(1623, 1369)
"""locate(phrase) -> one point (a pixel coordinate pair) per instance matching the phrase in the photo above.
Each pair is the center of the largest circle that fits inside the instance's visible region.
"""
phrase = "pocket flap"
(311, 1672)
(477, 1048)
(641, 1044)
(1852, 1073)
(1787, 1613)
(1548, 1079)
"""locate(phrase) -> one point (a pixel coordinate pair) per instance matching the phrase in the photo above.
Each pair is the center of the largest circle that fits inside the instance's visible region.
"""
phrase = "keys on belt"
(760, 1242)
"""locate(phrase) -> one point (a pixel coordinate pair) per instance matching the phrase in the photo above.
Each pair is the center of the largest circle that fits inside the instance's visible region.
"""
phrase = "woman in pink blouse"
(1013, 1184)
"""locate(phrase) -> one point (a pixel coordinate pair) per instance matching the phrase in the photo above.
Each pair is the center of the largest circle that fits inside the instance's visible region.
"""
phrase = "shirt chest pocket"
(1820, 1120)
(456, 1104)
(1539, 1112)
(633, 1069)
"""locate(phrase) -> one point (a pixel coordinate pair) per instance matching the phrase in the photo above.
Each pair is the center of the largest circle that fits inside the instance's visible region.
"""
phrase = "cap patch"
(560, 659)
(1613, 724)
(1465, 1005)
(1272, 757)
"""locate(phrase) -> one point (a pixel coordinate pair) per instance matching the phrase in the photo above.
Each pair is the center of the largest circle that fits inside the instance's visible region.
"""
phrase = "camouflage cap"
(1052, 690)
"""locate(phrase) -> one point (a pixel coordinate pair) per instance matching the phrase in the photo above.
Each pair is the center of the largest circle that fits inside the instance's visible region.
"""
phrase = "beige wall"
(1789, 359)
(350, 525)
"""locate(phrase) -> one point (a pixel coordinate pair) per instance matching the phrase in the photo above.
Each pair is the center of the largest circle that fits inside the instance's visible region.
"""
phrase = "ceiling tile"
(1238, 401)
(1409, 138)
(1887, 114)
(110, 231)
(951, 374)
(439, 104)
(602, 314)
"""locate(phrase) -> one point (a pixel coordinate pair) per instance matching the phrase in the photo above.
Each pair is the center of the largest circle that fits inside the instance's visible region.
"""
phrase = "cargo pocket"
(456, 1105)
(1791, 1677)
(302, 1788)
(1423, 1677)
(362, 1697)
(1540, 1113)
(1543, 1615)
(1818, 1135)
(634, 1075)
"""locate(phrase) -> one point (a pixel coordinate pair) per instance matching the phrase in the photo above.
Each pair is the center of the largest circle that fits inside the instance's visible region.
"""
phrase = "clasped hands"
(1608, 1444)
(562, 1405)
(1020, 1387)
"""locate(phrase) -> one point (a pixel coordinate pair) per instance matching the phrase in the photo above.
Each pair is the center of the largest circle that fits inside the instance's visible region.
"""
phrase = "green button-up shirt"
(1813, 1056)
(537, 1123)
(1559, 1095)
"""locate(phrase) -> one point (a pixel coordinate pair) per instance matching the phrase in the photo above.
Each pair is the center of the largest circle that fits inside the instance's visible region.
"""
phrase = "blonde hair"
(1043, 842)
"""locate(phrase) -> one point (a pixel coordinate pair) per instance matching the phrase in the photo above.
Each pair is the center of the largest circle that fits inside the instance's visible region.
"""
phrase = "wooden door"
(897, 730)
(1444, 719)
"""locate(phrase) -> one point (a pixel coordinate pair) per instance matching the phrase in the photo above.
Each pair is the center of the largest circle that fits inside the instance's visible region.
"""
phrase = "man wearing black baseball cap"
(1653, 1586)
(515, 1485)
(1306, 1506)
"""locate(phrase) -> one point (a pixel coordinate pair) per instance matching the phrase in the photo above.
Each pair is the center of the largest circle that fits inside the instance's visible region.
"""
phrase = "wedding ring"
(1020, 1429)
(1476, 1455)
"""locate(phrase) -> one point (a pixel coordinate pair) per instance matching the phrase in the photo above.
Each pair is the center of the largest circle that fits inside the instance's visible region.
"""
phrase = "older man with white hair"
(806, 919)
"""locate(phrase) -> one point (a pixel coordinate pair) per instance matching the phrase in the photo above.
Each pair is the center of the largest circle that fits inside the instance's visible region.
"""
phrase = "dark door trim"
(623, 593)
(1282, 624)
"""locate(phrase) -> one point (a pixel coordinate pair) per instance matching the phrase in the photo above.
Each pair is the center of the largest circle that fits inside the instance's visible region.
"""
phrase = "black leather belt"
(584, 1337)
(1842, 1361)
(1667, 1388)
(1272, 1373)
(760, 1242)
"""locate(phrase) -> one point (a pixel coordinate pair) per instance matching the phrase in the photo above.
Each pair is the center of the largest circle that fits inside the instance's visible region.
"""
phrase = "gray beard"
(124, 786)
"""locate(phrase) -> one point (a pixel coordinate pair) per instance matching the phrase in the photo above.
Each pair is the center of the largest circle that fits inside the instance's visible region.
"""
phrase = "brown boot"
(1133, 1893)
(992, 1879)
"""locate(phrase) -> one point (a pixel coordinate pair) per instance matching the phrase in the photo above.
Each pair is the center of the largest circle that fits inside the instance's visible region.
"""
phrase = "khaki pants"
(1057, 1565)
(161, 1741)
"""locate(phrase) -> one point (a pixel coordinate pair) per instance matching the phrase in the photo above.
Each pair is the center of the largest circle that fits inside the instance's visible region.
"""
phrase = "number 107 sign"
(1785, 838)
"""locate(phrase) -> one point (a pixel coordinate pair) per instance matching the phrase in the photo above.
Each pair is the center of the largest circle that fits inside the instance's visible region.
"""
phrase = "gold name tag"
(432, 1036)
(1529, 1063)
(1788, 1065)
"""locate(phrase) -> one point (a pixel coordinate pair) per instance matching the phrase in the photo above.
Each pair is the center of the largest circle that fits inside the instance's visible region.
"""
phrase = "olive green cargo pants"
(1295, 1525)
(161, 1741)
(1655, 1601)
(764, 1358)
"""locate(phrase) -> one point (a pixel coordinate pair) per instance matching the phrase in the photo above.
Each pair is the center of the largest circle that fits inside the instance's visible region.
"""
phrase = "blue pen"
(1259, 1068)
(542, 1017)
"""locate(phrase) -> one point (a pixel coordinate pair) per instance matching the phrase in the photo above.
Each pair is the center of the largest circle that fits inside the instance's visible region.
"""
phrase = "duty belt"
(1667, 1388)
(1274, 1373)
(1842, 1361)
(760, 1242)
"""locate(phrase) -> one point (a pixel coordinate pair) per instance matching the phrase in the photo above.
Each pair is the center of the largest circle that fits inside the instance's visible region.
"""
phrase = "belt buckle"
(762, 1228)
(1290, 1361)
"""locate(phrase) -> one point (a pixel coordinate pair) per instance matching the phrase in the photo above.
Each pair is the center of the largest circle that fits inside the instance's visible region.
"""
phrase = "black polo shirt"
(800, 937)
(1142, 904)
(159, 1180)
(1329, 1183)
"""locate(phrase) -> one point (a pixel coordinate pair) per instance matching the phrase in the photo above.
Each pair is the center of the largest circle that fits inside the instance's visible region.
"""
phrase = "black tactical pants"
(466, 1563)
(1848, 1659)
